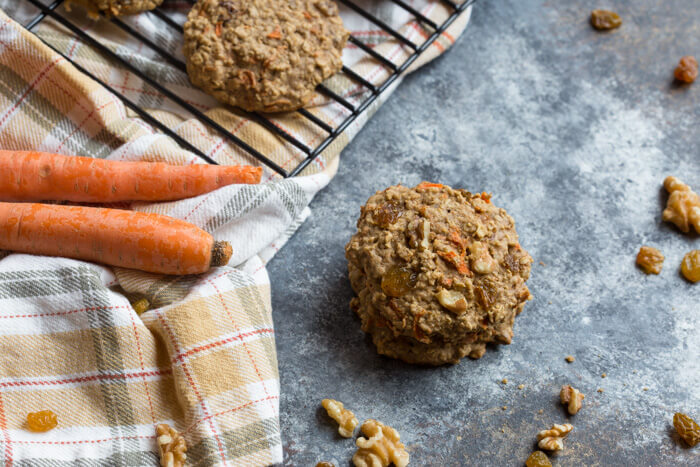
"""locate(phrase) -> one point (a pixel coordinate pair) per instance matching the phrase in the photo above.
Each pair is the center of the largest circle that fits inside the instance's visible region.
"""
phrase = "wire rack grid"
(371, 91)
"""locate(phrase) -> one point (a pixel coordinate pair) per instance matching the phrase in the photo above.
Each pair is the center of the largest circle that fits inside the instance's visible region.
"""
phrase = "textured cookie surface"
(263, 55)
(118, 7)
(438, 273)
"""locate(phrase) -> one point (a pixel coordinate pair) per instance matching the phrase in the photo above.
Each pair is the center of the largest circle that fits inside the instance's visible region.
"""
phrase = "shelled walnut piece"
(345, 418)
(171, 445)
(683, 207)
(553, 439)
(650, 260)
(381, 448)
(572, 398)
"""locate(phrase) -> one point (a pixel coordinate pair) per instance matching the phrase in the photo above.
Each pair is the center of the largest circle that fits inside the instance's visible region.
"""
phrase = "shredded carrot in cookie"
(485, 196)
(218, 29)
(457, 239)
(276, 34)
(456, 260)
(307, 15)
(424, 185)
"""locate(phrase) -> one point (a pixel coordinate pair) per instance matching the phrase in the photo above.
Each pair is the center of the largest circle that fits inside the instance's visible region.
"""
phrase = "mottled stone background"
(572, 131)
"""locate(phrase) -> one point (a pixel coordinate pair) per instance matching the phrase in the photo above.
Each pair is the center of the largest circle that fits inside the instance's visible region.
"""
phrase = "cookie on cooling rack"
(117, 7)
(438, 273)
(263, 55)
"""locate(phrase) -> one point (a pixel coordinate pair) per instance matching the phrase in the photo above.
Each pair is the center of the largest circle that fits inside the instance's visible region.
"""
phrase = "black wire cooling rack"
(372, 91)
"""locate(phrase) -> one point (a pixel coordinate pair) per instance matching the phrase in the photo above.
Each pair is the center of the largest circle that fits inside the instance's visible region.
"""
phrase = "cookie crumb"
(604, 375)
(505, 407)
(459, 438)
(542, 264)
(540, 411)
(570, 358)
(645, 388)
(504, 381)
(520, 386)
(600, 389)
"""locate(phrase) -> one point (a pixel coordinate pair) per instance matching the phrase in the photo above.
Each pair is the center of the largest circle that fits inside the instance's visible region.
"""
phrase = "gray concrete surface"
(573, 132)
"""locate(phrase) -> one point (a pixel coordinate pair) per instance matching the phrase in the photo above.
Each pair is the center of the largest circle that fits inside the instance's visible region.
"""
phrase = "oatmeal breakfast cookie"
(263, 55)
(438, 273)
(117, 7)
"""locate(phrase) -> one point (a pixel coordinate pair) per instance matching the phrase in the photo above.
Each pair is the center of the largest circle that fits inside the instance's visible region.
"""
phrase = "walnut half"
(381, 448)
(552, 439)
(345, 418)
(572, 398)
(683, 207)
(171, 445)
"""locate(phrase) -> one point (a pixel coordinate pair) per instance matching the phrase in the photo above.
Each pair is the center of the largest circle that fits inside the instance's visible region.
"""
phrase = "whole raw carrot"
(37, 176)
(136, 240)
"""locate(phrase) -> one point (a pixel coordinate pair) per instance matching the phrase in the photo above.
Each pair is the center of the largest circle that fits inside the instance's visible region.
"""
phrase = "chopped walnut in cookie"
(482, 261)
(381, 448)
(683, 207)
(452, 300)
(552, 439)
(345, 418)
(572, 398)
(650, 260)
(171, 445)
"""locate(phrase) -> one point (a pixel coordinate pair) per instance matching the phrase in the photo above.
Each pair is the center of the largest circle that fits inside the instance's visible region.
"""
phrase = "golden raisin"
(687, 69)
(690, 266)
(687, 429)
(399, 280)
(43, 420)
(605, 19)
(324, 464)
(538, 459)
(486, 295)
(388, 213)
(141, 306)
(650, 260)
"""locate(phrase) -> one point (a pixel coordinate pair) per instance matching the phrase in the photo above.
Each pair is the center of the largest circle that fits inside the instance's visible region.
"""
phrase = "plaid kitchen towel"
(203, 358)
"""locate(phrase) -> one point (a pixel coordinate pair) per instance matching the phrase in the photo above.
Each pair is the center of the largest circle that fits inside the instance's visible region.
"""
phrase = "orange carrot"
(37, 176)
(424, 185)
(148, 242)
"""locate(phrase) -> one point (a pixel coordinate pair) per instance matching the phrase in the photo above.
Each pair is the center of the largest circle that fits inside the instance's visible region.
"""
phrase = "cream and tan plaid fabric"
(203, 359)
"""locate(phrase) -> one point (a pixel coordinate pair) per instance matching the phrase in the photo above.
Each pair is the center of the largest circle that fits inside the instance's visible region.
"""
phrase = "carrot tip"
(221, 254)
